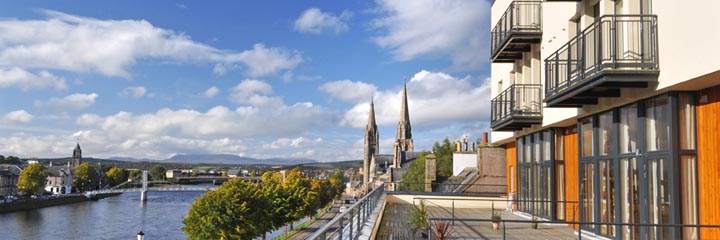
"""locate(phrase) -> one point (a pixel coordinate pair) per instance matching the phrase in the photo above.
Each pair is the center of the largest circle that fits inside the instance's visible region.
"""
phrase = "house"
(59, 179)
(607, 110)
(9, 176)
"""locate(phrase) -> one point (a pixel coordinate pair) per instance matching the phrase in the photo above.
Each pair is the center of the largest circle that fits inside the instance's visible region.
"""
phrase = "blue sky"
(151, 79)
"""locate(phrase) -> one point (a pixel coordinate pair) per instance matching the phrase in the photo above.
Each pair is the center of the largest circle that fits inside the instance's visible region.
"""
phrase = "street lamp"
(141, 235)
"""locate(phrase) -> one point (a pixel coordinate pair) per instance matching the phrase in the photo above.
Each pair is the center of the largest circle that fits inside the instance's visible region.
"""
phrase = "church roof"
(371, 115)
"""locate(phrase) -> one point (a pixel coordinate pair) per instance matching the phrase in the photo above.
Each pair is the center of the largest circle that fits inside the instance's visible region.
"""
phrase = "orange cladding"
(572, 210)
(708, 125)
(510, 159)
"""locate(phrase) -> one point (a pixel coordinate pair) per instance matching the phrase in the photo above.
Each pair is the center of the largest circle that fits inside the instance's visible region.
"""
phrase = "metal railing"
(613, 42)
(520, 16)
(348, 224)
(518, 100)
(473, 189)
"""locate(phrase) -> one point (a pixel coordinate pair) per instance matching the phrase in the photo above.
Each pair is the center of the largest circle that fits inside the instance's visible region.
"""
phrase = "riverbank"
(30, 204)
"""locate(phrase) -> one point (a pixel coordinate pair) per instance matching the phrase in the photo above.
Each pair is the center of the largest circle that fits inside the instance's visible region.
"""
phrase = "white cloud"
(73, 101)
(255, 93)
(350, 91)
(217, 122)
(18, 116)
(18, 77)
(436, 28)
(62, 41)
(313, 20)
(211, 92)
(299, 142)
(433, 98)
(134, 92)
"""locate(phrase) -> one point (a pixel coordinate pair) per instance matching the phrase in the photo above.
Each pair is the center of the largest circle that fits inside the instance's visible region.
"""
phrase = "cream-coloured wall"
(462, 160)
(555, 33)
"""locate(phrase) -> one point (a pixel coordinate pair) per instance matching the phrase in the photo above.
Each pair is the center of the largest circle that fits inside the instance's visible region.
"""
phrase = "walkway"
(394, 225)
(324, 219)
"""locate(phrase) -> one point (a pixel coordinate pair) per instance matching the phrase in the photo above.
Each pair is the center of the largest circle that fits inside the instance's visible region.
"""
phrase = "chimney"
(485, 138)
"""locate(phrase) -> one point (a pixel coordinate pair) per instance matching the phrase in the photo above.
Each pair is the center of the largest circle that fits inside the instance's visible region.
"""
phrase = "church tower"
(403, 141)
(372, 146)
(77, 158)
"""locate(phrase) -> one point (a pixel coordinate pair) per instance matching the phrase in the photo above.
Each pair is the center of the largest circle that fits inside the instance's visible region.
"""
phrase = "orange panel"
(708, 113)
(510, 159)
(572, 209)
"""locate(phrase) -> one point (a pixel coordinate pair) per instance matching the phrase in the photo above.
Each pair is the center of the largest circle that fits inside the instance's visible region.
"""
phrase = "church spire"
(404, 123)
(371, 116)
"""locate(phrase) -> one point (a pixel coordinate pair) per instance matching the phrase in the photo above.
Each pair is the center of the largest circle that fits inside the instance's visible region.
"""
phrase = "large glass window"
(537, 182)
(629, 197)
(586, 189)
(688, 172)
(658, 199)
(657, 124)
(628, 129)
(686, 118)
(587, 137)
(560, 186)
(607, 197)
(605, 133)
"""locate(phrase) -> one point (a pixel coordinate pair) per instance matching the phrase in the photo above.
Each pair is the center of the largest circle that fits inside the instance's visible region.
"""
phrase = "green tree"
(85, 177)
(116, 175)
(157, 172)
(135, 174)
(32, 180)
(414, 178)
(236, 210)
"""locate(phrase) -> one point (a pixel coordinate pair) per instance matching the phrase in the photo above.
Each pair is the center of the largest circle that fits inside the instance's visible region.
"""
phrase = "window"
(587, 137)
(607, 197)
(628, 129)
(657, 126)
(658, 199)
(629, 202)
(586, 190)
(605, 133)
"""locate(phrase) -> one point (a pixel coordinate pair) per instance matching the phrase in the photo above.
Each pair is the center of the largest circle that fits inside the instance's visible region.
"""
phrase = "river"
(120, 217)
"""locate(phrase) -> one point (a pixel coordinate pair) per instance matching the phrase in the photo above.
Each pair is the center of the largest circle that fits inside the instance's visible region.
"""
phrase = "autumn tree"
(116, 175)
(134, 174)
(236, 210)
(85, 176)
(32, 180)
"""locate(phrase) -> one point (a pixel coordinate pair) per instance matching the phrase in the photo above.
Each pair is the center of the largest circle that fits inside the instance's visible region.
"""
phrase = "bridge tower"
(144, 190)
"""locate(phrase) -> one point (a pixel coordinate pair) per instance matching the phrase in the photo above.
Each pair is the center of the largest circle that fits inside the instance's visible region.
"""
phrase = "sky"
(262, 79)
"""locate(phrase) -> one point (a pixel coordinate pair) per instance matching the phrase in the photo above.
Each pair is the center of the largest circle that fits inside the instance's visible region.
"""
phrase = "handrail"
(520, 16)
(518, 100)
(361, 209)
(612, 42)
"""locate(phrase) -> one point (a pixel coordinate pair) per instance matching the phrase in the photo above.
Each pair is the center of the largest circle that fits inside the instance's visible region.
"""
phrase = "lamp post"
(141, 235)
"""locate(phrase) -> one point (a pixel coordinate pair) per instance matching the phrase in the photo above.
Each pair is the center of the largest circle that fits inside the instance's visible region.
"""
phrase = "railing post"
(503, 229)
(340, 227)
(453, 212)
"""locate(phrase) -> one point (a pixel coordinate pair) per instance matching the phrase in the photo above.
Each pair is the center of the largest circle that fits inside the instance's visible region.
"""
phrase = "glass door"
(658, 200)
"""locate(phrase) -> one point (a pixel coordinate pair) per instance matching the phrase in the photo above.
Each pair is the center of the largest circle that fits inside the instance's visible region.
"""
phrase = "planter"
(533, 225)
(496, 225)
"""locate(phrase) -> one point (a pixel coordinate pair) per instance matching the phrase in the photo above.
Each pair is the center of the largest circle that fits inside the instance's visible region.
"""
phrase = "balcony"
(518, 107)
(520, 26)
(614, 52)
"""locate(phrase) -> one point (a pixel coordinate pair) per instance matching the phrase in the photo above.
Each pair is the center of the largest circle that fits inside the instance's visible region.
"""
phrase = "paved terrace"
(394, 222)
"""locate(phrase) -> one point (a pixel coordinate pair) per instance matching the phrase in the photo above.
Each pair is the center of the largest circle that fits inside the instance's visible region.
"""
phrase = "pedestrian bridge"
(142, 185)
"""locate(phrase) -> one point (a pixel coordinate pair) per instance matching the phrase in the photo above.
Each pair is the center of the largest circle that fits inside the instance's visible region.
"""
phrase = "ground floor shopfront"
(654, 161)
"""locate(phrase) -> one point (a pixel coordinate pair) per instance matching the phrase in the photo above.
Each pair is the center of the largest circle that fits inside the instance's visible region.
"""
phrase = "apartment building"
(609, 113)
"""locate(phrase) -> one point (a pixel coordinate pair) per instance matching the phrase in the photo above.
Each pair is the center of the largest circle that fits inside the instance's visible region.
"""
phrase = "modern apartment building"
(609, 111)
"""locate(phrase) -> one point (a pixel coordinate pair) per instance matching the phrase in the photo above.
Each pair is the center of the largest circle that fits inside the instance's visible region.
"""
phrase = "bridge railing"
(349, 223)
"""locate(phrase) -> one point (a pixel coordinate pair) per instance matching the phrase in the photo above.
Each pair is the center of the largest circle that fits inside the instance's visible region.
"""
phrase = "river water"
(120, 217)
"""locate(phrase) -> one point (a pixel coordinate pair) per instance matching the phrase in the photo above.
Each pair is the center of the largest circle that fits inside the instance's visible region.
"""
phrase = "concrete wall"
(462, 160)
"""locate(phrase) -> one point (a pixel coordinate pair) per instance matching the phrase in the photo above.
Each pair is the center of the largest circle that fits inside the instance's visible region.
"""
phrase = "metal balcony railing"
(519, 101)
(613, 44)
(349, 224)
(520, 17)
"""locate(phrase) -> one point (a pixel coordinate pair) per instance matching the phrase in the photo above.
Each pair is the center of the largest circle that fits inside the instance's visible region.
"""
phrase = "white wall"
(462, 161)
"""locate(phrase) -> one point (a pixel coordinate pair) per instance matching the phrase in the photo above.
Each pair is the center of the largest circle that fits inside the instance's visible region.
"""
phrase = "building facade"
(9, 176)
(608, 113)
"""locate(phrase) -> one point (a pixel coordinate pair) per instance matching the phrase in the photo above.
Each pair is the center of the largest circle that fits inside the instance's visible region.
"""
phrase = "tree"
(85, 176)
(414, 178)
(134, 174)
(116, 175)
(236, 210)
(157, 172)
(32, 180)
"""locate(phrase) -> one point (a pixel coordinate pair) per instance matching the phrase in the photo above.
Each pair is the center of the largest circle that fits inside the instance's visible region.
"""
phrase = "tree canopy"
(116, 175)
(157, 172)
(414, 178)
(86, 177)
(32, 180)
(244, 210)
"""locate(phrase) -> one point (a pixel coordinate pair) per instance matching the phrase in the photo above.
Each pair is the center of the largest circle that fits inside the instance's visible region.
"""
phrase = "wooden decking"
(394, 225)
